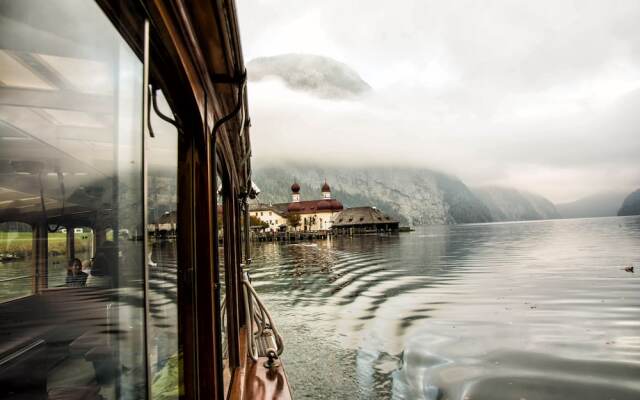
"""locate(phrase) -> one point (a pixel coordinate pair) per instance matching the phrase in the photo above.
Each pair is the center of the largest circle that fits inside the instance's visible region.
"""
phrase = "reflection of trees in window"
(16, 274)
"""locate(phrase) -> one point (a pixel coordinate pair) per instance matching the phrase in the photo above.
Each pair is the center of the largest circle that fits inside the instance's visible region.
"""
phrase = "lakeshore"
(298, 236)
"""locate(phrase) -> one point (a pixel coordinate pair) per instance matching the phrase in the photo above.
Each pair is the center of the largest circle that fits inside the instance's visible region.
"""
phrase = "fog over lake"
(540, 96)
(442, 113)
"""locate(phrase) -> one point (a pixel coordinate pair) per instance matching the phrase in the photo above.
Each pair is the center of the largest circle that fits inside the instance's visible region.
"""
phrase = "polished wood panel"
(233, 300)
(263, 383)
(40, 256)
(252, 380)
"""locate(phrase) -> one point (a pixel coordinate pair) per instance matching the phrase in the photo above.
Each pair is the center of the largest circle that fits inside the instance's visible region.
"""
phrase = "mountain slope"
(507, 204)
(631, 204)
(321, 76)
(598, 205)
(416, 196)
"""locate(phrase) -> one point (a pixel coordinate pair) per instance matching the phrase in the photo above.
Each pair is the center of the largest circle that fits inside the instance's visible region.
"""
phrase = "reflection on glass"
(162, 206)
(71, 274)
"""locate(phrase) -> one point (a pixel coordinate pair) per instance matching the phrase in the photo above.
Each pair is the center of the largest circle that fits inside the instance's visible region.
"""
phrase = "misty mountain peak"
(322, 76)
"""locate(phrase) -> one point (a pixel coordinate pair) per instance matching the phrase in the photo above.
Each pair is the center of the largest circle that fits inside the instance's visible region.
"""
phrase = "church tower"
(326, 190)
(295, 192)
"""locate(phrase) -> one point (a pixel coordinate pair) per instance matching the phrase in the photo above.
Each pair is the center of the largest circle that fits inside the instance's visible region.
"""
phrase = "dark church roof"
(362, 216)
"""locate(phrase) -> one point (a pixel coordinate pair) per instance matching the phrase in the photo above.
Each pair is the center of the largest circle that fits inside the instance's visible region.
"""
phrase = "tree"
(257, 222)
(293, 220)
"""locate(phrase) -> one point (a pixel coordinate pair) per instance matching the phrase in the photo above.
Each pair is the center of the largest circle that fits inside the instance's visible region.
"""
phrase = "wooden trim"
(252, 380)
(71, 243)
(236, 392)
(186, 265)
(40, 256)
(206, 345)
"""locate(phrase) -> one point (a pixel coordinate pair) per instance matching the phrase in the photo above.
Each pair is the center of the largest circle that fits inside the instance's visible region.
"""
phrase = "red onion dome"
(325, 187)
(295, 188)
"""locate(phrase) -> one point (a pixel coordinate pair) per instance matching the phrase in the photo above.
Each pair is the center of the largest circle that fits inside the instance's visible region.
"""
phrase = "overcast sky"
(538, 95)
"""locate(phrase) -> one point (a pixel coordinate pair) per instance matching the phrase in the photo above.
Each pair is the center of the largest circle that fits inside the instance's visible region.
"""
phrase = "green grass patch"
(21, 243)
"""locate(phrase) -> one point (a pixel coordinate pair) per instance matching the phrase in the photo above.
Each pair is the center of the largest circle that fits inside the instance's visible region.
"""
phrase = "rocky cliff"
(508, 204)
(413, 195)
(631, 204)
(604, 204)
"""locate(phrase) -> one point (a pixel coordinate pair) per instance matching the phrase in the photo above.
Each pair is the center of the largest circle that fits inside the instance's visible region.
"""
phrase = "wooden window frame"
(180, 68)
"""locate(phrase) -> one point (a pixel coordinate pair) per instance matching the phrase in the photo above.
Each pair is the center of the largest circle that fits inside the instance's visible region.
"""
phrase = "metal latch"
(273, 361)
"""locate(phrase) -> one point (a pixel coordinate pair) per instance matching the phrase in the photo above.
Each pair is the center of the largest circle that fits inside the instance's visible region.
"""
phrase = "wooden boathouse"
(363, 220)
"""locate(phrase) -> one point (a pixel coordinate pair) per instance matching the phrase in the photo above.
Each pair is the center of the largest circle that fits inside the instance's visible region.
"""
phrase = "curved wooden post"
(71, 245)
(40, 256)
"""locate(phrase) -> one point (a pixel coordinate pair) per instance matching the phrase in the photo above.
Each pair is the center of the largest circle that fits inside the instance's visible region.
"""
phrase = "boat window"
(162, 208)
(70, 157)
(64, 246)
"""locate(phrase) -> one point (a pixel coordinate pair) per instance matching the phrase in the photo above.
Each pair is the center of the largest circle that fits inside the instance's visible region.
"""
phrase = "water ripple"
(480, 311)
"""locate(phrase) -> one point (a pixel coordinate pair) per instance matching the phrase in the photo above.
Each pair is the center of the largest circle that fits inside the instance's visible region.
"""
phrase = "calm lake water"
(527, 310)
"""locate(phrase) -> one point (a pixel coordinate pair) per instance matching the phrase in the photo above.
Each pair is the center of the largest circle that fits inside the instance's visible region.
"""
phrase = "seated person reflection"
(75, 276)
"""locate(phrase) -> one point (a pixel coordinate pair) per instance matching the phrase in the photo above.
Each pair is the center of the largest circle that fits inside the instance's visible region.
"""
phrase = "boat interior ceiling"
(56, 111)
(58, 106)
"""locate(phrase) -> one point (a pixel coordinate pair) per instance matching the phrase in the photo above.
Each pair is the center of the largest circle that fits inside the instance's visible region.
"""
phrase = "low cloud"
(542, 97)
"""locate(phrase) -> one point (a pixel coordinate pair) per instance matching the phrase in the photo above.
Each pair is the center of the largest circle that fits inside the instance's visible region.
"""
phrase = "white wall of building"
(270, 217)
(318, 221)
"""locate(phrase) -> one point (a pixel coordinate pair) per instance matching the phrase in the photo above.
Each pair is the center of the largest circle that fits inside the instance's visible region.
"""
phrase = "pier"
(288, 236)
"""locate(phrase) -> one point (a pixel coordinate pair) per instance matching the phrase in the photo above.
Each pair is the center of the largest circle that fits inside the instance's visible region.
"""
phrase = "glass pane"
(162, 203)
(70, 171)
